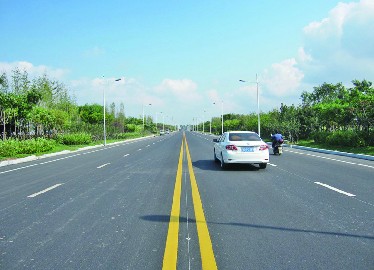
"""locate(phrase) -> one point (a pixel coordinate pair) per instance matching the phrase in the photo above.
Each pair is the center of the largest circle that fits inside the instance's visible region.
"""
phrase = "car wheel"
(263, 165)
(223, 164)
(215, 157)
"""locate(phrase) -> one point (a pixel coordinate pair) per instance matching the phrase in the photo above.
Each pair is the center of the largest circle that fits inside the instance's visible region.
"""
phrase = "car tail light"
(264, 147)
(231, 147)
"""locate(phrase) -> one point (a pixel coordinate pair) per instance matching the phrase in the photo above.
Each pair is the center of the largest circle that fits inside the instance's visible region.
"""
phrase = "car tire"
(223, 164)
(263, 165)
(215, 157)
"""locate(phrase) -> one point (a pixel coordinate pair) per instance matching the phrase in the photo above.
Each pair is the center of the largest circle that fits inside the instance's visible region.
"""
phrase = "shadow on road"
(210, 165)
(166, 218)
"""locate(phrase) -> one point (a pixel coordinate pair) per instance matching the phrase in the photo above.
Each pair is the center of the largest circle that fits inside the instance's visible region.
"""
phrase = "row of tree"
(43, 107)
(328, 108)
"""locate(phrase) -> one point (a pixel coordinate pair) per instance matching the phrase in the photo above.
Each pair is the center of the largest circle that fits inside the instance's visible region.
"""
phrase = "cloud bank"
(338, 48)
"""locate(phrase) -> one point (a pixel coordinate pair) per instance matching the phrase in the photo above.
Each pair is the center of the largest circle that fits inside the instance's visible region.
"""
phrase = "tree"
(92, 114)
(43, 120)
(362, 100)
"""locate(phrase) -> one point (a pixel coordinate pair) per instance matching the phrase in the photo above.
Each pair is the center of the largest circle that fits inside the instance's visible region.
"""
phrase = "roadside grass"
(62, 147)
(368, 150)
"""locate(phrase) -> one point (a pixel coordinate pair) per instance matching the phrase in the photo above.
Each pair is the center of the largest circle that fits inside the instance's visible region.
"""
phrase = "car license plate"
(247, 149)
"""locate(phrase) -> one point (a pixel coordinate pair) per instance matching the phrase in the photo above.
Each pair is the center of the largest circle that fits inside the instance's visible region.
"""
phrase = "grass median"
(367, 150)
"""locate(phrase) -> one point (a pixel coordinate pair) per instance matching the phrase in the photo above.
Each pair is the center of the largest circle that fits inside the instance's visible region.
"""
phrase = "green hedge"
(343, 138)
(12, 147)
(74, 139)
(126, 135)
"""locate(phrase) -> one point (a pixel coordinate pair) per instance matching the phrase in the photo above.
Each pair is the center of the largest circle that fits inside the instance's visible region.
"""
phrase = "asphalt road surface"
(163, 203)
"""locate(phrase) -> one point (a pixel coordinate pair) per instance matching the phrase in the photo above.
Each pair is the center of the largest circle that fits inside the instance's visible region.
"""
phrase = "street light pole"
(258, 104)
(258, 108)
(143, 113)
(221, 115)
(104, 131)
(210, 126)
(163, 122)
(203, 122)
(104, 114)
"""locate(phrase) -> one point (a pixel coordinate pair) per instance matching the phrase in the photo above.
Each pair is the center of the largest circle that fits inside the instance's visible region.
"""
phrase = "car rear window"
(244, 137)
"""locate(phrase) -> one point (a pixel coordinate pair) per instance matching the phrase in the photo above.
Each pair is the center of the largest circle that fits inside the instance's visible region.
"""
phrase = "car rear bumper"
(244, 158)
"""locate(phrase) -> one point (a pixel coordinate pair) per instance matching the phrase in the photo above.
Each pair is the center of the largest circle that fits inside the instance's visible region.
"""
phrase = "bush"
(127, 135)
(345, 138)
(321, 136)
(8, 148)
(74, 139)
(11, 147)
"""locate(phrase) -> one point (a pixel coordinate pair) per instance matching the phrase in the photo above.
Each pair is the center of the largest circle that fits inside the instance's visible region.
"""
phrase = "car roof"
(240, 131)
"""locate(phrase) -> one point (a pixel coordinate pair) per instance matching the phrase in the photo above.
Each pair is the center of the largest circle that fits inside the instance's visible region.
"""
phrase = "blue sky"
(183, 56)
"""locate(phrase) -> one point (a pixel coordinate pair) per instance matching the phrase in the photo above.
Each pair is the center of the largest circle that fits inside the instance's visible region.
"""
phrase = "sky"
(181, 61)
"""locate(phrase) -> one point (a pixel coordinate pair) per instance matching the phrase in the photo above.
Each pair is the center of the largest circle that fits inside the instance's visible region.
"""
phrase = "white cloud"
(302, 56)
(183, 90)
(283, 79)
(33, 71)
(341, 46)
(338, 48)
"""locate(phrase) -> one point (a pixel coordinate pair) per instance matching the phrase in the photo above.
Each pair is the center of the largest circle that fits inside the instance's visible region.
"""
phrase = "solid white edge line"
(43, 191)
(335, 189)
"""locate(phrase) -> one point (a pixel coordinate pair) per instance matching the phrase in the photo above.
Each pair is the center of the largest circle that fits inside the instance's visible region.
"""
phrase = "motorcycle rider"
(276, 138)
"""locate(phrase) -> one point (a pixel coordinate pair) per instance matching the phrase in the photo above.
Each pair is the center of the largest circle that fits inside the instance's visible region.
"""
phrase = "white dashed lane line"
(103, 165)
(335, 189)
(43, 191)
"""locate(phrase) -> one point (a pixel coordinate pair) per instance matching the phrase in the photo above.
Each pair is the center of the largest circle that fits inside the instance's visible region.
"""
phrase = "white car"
(243, 147)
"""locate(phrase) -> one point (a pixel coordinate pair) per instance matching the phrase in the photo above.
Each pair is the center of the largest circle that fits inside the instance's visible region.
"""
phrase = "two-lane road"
(116, 208)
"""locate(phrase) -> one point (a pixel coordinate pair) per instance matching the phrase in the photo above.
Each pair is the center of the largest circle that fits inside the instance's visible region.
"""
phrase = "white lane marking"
(272, 165)
(126, 155)
(139, 149)
(333, 159)
(148, 145)
(44, 191)
(103, 165)
(20, 168)
(335, 189)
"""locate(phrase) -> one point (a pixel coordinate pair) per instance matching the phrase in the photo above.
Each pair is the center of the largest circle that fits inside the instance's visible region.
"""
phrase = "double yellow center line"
(171, 249)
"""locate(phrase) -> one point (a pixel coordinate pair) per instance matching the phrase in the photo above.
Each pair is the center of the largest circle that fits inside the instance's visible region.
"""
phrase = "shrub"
(345, 138)
(11, 147)
(321, 136)
(127, 135)
(8, 148)
(38, 145)
(74, 139)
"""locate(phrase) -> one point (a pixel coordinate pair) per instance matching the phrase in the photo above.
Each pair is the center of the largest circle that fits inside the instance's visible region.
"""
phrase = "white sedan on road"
(244, 147)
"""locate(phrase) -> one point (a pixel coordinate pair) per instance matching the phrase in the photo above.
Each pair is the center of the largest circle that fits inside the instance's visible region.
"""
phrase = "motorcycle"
(278, 148)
